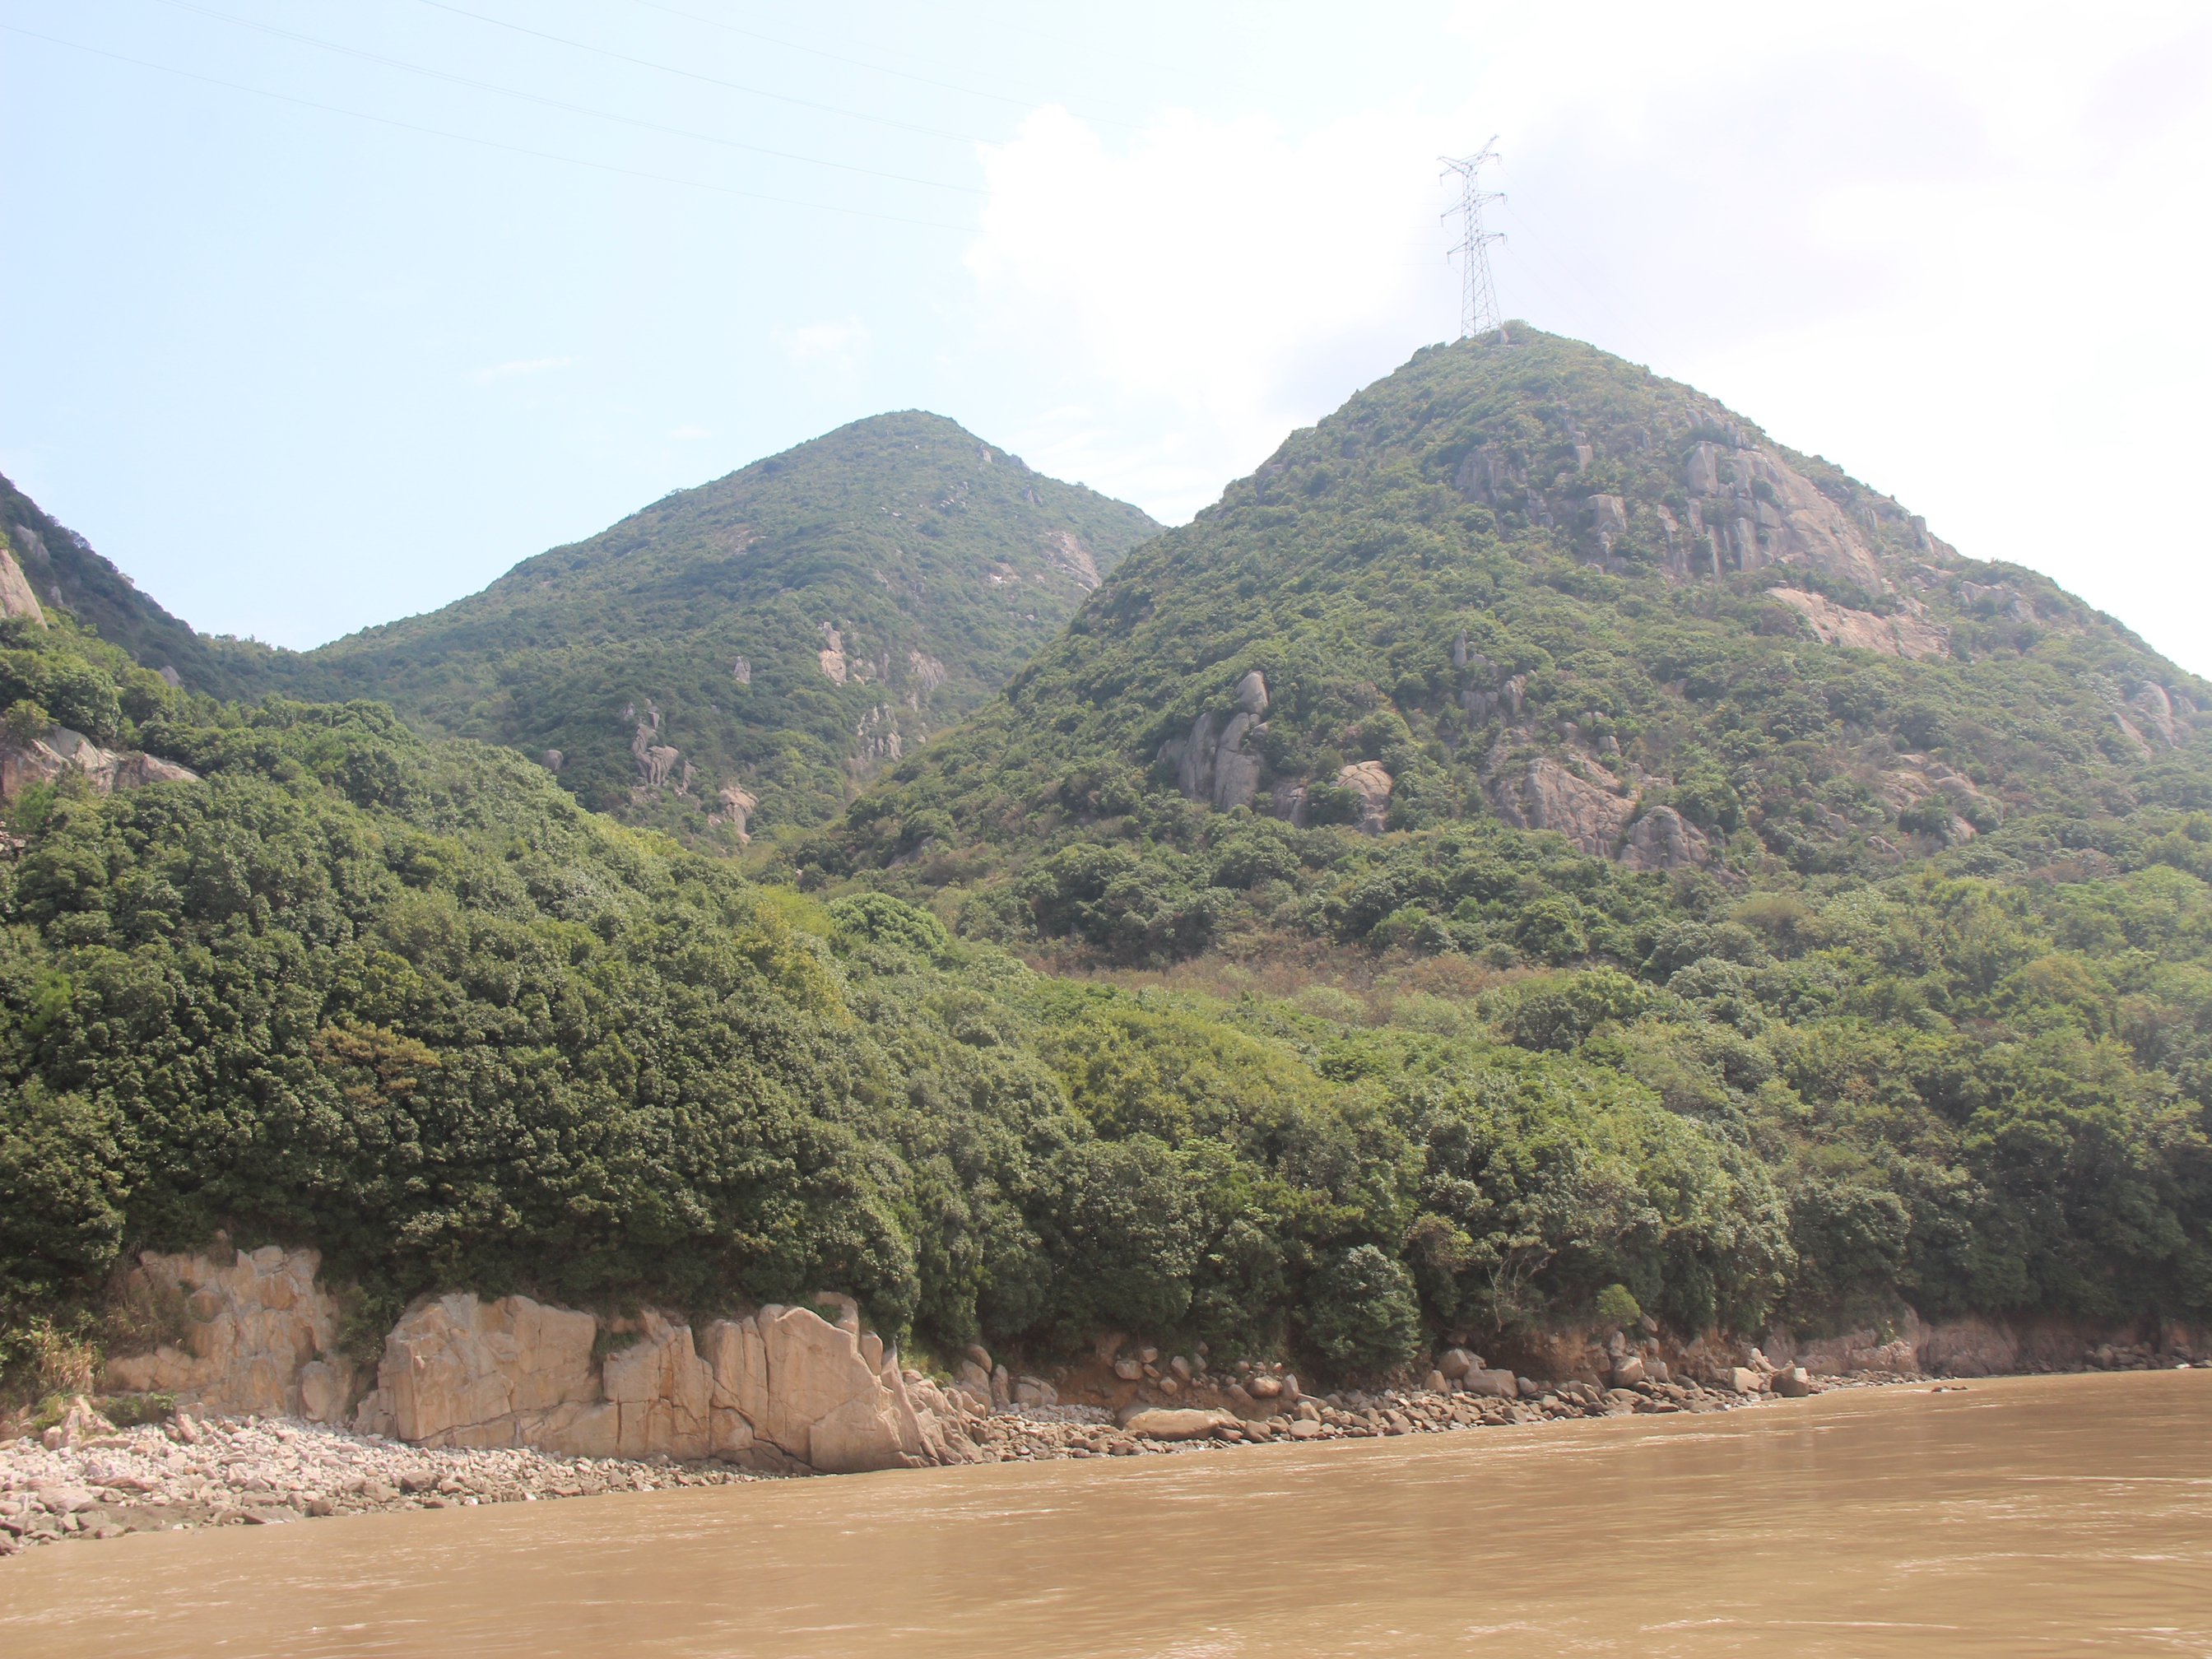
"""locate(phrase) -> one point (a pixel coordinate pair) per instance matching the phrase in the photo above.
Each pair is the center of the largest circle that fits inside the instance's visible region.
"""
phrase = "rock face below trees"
(45, 759)
(251, 1331)
(779, 1390)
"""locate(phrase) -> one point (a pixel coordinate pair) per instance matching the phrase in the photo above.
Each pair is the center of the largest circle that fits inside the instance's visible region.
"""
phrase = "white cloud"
(515, 370)
(1958, 251)
(1222, 278)
(841, 346)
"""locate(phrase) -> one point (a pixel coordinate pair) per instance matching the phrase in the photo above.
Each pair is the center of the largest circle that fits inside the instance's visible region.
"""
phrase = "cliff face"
(779, 1390)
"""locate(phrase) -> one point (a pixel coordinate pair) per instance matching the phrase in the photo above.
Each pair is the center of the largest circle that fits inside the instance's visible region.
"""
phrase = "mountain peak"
(1541, 588)
(792, 626)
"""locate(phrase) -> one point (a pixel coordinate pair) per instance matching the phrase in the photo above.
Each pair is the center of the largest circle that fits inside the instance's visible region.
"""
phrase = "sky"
(319, 313)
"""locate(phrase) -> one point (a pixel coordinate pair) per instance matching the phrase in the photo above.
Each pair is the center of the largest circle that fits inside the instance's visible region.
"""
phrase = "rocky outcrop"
(1901, 636)
(831, 656)
(742, 671)
(1663, 839)
(1541, 793)
(1788, 521)
(736, 806)
(1164, 1423)
(924, 674)
(877, 739)
(781, 1387)
(1218, 763)
(1918, 777)
(258, 1334)
(2154, 709)
(1982, 1346)
(61, 750)
(1065, 552)
(459, 1372)
(656, 761)
(17, 597)
(1368, 780)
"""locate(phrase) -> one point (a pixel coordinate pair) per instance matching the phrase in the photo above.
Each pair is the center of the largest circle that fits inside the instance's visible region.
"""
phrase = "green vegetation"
(1922, 1014)
(940, 562)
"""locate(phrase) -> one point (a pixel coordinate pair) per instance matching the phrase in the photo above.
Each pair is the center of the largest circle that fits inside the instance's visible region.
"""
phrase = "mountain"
(1533, 586)
(1540, 853)
(65, 572)
(734, 657)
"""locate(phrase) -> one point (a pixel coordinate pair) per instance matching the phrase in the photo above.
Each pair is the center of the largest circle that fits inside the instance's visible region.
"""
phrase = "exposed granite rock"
(256, 1330)
(2154, 709)
(1367, 780)
(1065, 553)
(461, 1371)
(1160, 1423)
(62, 750)
(17, 597)
(736, 806)
(1543, 794)
(1663, 839)
(1791, 523)
(924, 674)
(831, 656)
(1901, 635)
(1217, 762)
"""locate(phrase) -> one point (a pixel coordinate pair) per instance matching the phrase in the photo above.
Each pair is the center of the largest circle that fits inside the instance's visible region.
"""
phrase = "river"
(2023, 1515)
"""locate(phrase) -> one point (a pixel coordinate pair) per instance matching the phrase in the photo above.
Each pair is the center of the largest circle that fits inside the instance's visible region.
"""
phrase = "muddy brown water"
(2025, 1515)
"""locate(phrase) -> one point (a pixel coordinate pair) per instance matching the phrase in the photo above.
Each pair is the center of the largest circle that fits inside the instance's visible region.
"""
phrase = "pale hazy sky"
(319, 313)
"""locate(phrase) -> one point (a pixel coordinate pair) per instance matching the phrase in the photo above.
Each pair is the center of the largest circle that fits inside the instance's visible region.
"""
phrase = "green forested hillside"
(1470, 914)
(1530, 586)
(734, 657)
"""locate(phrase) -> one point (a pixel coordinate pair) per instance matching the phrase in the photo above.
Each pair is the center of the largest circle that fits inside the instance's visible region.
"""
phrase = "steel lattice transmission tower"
(1478, 305)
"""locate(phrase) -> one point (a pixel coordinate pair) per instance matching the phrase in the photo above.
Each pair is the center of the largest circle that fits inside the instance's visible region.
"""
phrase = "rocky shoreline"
(97, 1482)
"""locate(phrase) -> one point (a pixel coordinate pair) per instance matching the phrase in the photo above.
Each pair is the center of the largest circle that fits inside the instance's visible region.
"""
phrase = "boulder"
(1492, 1384)
(1458, 1362)
(1368, 780)
(1264, 1387)
(1159, 1422)
(1791, 1384)
(1663, 839)
(826, 1407)
(1252, 694)
(1738, 1379)
(1129, 1370)
(1627, 1371)
(1544, 794)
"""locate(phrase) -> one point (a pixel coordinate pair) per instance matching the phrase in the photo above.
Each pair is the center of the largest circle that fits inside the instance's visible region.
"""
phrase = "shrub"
(1359, 1313)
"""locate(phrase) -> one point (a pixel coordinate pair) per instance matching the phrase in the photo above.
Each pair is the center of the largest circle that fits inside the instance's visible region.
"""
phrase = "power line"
(559, 103)
(485, 143)
(1478, 305)
(878, 68)
(693, 75)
